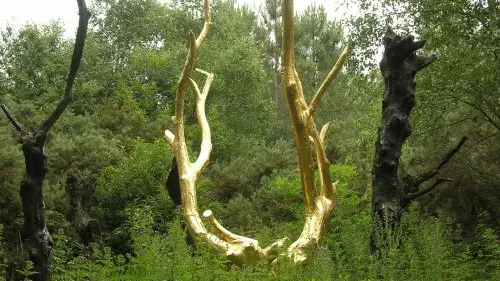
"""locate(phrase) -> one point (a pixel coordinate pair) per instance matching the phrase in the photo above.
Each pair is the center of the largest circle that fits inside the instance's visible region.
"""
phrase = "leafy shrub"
(426, 253)
(139, 177)
(253, 161)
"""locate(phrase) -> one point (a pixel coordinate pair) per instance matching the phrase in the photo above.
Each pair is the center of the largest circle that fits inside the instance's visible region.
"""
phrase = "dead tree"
(391, 195)
(80, 191)
(36, 237)
(319, 200)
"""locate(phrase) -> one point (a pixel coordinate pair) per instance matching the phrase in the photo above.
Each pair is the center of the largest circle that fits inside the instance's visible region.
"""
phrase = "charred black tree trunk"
(173, 185)
(391, 195)
(80, 191)
(36, 237)
(174, 192)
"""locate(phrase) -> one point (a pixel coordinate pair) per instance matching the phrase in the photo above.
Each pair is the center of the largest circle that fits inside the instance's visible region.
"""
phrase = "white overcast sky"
(19, 12)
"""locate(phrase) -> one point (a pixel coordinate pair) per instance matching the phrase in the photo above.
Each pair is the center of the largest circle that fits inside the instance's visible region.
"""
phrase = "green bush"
(140, 177)
(252, 161)
(427, 250)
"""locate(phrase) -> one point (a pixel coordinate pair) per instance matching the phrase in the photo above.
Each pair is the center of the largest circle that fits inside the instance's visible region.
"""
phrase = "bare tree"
(36, 237)
(319, 201)
(391, 194)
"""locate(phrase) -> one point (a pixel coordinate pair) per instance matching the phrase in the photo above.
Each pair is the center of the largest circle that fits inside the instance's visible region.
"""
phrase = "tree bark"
(319, 201)
(391, 195)
(37, 239)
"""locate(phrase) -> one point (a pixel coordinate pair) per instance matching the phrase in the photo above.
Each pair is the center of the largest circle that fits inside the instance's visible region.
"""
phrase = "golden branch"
(206, 143)
(324, 130)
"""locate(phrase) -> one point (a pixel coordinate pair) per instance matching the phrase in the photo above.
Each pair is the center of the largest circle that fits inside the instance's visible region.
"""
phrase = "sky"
(19, 12)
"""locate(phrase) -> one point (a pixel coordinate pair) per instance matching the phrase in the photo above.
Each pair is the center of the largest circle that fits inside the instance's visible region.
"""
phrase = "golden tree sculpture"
(319, 201)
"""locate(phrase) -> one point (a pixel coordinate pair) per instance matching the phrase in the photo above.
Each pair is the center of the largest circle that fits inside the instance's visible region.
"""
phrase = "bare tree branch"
(297, 106)
(169, 137)
(411, 197)
(81, 34)
(206, 141)
(324, 130)
(452, 152)
(318, 207)
(417, 180)
(206, 23)
(441, 127)
(19, 127)
(240, 249)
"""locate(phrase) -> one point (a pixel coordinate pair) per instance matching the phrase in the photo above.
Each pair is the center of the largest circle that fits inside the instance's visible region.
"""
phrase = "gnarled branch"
(318, 207)
(36, 236)
(328, 80)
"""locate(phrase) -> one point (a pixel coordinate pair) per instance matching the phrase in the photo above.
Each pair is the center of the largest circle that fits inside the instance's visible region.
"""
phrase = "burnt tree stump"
(391, 195)
(80, 190)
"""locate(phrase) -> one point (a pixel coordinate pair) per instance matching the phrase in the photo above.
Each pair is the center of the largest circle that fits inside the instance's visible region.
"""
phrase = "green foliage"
(2, 258)
(34, 60)
(122, 114)
(140, 175)
(456, 96)
(238, 105)
(76, 145)
(280, 201)
(11, 169)
(79, 144)
(251, 161)
(124, 97)
(426, 253)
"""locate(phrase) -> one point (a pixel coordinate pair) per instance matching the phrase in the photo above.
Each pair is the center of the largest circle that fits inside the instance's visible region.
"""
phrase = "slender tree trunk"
(391, 195)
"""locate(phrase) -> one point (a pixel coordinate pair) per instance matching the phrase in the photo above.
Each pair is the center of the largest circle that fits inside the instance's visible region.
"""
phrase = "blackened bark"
(76, 58)
(174, 192)
(36, 237)
(399, 66)
(173, 184)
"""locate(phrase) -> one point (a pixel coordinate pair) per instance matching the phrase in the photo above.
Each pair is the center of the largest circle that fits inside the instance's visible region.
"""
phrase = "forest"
(205, 140)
